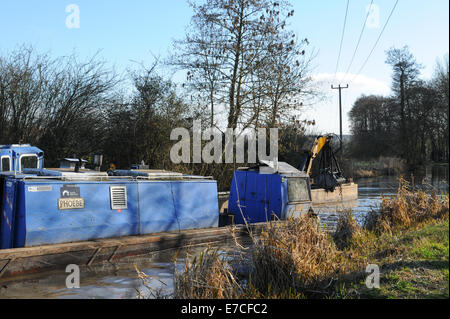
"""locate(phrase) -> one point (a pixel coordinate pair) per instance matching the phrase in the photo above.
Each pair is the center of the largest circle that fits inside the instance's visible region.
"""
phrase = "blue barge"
(51, 206)
(54, 217)
(269, 192)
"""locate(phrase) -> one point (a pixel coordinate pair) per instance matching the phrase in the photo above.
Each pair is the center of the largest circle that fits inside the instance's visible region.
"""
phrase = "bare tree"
(139, 126)
(413, 123)
(440, 83)
(405, 74)
(233, 52)
(53, 103)
(23, 88)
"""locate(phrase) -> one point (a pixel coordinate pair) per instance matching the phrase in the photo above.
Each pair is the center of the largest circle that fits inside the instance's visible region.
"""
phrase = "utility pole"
(340, 110)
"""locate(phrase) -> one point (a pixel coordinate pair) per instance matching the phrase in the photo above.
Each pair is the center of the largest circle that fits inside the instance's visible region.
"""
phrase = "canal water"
(120, 281)
(370, 191)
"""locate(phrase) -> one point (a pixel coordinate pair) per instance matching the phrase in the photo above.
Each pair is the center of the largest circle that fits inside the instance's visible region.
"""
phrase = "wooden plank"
(36, 259)
(109, 242)
(93, 256)
(5, 266)
(111, 258)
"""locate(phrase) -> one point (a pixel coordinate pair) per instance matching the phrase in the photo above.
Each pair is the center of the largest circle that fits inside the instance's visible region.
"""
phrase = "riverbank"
(406, 239)
(389, 166)
(413, 264)
(383, 166)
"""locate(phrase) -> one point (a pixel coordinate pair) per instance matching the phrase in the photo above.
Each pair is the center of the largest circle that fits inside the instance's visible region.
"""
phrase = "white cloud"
(326, 112)
(360, 83)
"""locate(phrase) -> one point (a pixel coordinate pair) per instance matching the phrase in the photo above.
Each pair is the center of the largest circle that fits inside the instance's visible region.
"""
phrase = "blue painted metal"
(155, 202)
(237, 199)
(258, 197)
(157, 210)
(7, 217)
(15, 151)
(177, 205)
(196, 203)
(39, 221)
(153, 206)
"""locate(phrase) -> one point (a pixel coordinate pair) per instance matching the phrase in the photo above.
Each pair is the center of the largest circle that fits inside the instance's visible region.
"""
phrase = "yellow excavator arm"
(319, 143)
(329, 174)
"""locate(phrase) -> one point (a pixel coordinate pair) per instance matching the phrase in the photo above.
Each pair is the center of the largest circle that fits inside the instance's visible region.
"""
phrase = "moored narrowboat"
(51, 206)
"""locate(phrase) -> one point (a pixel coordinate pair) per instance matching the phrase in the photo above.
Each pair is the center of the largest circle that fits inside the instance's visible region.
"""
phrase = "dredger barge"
(54, 217)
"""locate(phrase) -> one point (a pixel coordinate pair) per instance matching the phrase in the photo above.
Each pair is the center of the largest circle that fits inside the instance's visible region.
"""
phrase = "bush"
(291, 259)
(409, 208)
(346, 228)
(298, 259)
(208, 276)
(297, 256)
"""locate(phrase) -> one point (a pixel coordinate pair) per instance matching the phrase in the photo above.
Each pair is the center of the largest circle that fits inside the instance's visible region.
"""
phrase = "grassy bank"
(413, 264)
(383, 166)
(407, 238)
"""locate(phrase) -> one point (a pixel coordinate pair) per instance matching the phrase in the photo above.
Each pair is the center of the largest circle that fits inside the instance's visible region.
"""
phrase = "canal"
(120, 280)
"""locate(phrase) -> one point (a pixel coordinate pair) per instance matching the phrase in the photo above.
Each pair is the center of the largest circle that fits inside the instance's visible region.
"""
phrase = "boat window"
(28, 161)
(298, 189)
(6, 164)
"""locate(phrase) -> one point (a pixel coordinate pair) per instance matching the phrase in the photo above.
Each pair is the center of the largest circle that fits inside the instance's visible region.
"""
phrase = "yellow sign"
(70, 203)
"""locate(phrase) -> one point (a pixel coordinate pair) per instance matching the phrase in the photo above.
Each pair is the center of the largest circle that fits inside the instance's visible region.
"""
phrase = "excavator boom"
(330, 173)
(317, 147)
(308, 158)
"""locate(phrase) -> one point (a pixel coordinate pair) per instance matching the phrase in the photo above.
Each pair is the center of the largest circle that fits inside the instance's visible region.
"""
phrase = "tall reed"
(410, 208)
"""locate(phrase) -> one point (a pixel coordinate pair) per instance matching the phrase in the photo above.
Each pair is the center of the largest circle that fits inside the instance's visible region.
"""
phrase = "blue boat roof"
(19, 148)
(281, 168)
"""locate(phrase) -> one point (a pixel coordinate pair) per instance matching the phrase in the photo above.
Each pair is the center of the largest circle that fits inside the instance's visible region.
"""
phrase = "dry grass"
(391, 165)
(290, 259)
(208, 276)
(297, 259)
(410, 208)
(375, 167)
(346, 229)
(146, 282)
(364, 173)
(296, 256)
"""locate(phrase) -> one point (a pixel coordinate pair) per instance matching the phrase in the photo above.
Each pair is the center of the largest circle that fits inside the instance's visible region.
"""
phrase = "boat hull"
(344, 193)
(33, 260)
(34, 213)
(347, 193)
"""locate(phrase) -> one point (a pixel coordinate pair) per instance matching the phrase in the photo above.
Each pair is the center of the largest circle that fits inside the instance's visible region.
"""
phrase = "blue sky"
(127, 31)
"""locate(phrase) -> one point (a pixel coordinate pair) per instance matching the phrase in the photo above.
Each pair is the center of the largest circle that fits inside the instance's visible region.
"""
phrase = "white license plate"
(70, 203)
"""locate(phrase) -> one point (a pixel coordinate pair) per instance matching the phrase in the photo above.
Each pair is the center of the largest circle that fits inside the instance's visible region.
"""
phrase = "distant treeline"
(412, 123)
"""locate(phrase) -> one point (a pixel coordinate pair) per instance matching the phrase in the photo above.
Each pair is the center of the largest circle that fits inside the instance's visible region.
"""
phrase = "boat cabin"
(17, 157)
(44, 206)
(266, 192)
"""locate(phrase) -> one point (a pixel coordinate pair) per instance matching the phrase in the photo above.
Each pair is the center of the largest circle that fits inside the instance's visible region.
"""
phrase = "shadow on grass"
(426, 264)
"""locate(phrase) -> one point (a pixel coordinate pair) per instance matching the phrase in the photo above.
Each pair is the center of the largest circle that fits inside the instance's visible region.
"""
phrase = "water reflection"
(113, 281)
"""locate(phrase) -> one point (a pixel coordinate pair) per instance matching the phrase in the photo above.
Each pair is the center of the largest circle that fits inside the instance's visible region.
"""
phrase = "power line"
(359, 40)
(373, 48)
(342, 39)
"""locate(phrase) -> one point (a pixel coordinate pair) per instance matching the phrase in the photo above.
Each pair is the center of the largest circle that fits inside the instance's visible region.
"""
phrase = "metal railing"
(113, 178)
